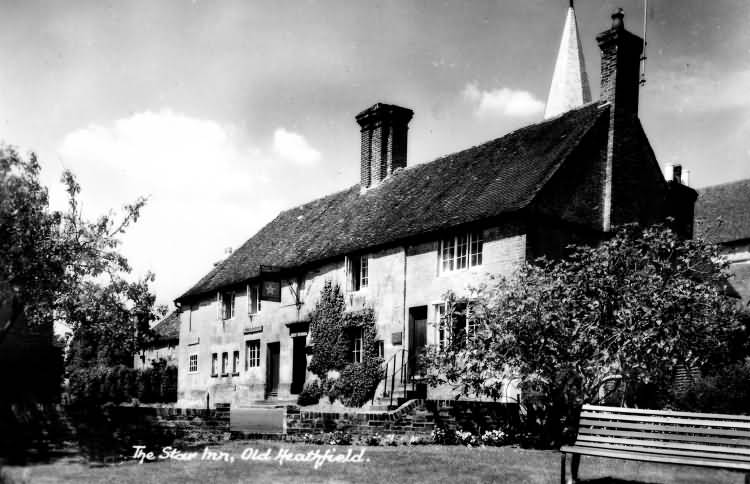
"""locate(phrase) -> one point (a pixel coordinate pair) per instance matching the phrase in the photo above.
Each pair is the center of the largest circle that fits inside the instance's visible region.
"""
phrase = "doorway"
(272, 370)
(299, 363)
(417, 336)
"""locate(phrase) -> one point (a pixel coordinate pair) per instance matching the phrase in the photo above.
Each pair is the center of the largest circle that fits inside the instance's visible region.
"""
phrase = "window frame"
(444, 336)
(224, 363)
(358, 346)
(190, 362)
(357, 272)
(254, 299)
(214, 365)
(460, 252)
(235, 362)
(252, 356)
(223, 296)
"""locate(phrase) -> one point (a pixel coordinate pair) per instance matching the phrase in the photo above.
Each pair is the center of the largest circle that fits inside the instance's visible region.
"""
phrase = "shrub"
(96, 386)
(494, 438)
(358, 383)
(311, 393)
(442, 436)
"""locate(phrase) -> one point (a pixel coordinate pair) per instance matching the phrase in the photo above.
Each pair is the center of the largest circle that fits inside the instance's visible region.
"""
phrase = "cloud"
(294, 147)
(208, 187)
(502, 102)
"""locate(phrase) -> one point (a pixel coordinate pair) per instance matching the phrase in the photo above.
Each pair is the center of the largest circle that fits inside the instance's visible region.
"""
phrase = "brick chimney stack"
(620, 82)
(384, 135)
(621, 65)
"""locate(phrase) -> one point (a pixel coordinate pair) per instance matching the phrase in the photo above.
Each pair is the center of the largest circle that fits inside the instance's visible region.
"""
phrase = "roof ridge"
(723, 184)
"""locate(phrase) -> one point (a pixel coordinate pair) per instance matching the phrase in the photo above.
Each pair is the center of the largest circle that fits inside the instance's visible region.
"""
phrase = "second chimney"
(384, 136)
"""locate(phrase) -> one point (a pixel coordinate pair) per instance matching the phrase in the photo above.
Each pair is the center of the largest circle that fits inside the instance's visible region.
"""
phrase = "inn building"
(406, 234)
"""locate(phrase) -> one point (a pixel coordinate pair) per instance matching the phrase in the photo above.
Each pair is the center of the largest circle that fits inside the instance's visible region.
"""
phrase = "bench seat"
(681, 438)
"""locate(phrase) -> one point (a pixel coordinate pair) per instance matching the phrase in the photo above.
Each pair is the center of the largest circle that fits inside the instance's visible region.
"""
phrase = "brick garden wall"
(418, 417)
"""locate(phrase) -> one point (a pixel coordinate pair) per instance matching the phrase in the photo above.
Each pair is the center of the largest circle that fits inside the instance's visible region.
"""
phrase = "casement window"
(253, 299)
(224, 364)
(192, 363)
(380, 345)
(226, 305)
(357, 353)
(453, 331)
(236, 363)
(461, 251)
(357, 272)
(252, 354)
(214, 364)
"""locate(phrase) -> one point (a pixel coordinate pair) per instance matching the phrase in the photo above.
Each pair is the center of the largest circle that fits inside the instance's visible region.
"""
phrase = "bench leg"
(575, 462)
(562, 468)
(747, 478)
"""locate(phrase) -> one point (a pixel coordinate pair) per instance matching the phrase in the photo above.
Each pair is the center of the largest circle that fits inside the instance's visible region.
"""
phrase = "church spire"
(570, 84)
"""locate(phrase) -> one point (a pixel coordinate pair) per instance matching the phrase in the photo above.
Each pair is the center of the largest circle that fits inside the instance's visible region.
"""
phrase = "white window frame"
(224, 363)
(253, 291)
(235, 362)
(444, 335)
(252, 358)
(360, 280)
(358, 346)
(222, 308)
(460, 252)
(190, 363)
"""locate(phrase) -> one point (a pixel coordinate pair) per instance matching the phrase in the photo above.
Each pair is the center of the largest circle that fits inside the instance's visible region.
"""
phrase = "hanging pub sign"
(270, 287)
(270, 291)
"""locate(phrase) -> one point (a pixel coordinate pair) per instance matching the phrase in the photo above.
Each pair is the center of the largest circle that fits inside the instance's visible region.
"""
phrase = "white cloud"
(294, 147)
(208, 187)
(502, 102)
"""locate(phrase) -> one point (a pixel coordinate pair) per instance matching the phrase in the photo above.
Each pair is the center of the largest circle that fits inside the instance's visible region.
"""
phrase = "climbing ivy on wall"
(333, 331)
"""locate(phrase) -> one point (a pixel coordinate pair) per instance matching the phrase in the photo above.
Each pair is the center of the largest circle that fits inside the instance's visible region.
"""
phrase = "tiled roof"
(169, 327)
(497, 177)
(722, 212)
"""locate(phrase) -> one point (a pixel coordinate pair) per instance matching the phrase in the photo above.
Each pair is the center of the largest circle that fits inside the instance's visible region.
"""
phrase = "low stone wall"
(417, 417)
(190, 425)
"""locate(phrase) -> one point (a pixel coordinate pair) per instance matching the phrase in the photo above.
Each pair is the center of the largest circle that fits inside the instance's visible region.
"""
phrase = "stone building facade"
(405, 235)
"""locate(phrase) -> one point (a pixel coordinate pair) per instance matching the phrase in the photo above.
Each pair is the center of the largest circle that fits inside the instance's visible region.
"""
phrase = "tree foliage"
(46, 255)
(639, 305)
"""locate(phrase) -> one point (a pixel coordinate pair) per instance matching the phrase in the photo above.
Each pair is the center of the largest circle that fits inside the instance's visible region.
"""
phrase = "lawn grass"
(448, 464)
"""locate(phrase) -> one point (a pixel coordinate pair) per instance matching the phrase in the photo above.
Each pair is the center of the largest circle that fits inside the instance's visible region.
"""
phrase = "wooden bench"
(694, 439)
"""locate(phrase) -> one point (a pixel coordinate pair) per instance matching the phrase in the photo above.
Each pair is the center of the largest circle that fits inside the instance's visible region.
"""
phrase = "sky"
(225, 113)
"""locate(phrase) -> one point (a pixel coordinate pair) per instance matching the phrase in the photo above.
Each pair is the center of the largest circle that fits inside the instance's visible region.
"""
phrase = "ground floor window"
(192, 362)
(381, 348)
(252, 353)
(453, 329)
(236, 363)
(357, 346)
(224, 364)
(214, 364)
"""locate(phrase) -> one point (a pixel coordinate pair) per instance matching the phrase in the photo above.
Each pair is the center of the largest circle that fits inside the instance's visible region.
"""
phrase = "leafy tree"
(635, 307)
(46, 255)
(110, 322)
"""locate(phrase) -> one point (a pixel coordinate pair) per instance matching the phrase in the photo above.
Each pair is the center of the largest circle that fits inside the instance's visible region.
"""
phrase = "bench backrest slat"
(666, 413)
(673, 452)
(683, 429)
(666, 445)
(665, 420)
(665, 436)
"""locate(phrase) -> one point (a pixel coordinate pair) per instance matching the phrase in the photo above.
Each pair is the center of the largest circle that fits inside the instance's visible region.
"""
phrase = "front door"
(299, 363)
(417, 336)
(272, 370)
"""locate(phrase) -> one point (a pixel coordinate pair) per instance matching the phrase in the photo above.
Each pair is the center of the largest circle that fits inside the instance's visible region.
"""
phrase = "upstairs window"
(460, 252)
(253, 299)
(226, 305)
(357, 272)
(252, 354)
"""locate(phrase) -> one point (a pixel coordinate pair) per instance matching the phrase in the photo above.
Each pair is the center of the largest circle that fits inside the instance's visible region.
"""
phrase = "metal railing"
(399, 363)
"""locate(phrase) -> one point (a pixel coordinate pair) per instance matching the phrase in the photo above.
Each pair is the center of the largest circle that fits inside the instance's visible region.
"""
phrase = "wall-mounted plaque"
(397, 338)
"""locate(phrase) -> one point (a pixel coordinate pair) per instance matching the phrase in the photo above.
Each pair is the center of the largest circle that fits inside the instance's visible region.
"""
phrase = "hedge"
(98, 385)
